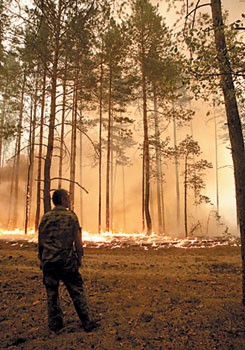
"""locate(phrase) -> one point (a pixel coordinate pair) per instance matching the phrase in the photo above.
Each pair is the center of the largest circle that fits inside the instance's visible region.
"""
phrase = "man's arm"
(78, 244)
(41, 238)
(40, 246)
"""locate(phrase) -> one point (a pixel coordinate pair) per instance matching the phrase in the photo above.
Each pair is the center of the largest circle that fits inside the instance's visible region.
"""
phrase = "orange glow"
(123, 239)
(17, 232)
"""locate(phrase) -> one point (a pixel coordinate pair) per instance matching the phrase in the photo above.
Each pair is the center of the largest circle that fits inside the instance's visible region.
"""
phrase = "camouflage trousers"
(74, 284)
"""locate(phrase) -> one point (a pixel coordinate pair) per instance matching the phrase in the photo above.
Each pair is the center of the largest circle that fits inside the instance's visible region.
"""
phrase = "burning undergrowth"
(124, 240)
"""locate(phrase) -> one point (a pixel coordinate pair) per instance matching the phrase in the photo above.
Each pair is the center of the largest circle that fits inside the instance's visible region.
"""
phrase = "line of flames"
(123, 239)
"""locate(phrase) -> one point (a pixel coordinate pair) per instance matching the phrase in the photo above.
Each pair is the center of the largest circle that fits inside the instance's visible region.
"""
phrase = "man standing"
(60, 252)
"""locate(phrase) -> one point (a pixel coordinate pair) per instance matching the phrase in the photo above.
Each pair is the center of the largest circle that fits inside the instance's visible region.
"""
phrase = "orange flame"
(123, 239)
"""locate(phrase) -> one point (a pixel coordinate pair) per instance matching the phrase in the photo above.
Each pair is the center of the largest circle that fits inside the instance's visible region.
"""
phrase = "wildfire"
(123, 239)
(16, 232)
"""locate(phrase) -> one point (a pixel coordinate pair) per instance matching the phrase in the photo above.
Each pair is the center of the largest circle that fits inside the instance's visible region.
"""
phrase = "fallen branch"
(75, 182)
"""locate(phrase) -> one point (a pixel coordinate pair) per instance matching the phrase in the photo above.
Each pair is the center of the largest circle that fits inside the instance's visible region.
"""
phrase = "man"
(60, 252)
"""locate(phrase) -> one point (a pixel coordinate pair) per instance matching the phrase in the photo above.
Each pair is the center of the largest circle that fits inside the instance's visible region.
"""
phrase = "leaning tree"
(225, 66)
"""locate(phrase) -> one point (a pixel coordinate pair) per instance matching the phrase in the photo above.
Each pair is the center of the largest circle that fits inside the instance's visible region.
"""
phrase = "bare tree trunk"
(73, 143)
(2, 120)
(40, 152)
(100, 146)
(62, 127)
(194, 162)
(143, 192)
(28, 180)
(81, 177)
(33, 139)
(124, 198)
(185, 197)
(158, 167)
(11, 194)
(112, 180)
(29, 184)
(108, 165)
(152, 204)
(113, 188)
(234, 124)
(17, 165)
(216, 161)
(176, 172)
(1, 128)
(50, 146)
(147, 157)
(162, 199)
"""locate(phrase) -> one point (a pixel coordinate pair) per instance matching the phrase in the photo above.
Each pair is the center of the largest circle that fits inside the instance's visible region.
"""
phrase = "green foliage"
(8, 131)
(203, 65)
(10, 92)
(194, 168)
(122, 138)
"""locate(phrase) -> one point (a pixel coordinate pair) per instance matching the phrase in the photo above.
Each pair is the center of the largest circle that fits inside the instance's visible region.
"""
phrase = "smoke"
(12, 207)
(127, 198)
(126, 214)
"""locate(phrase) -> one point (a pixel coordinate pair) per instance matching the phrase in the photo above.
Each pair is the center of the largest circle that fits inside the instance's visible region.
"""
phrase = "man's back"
(58, 231)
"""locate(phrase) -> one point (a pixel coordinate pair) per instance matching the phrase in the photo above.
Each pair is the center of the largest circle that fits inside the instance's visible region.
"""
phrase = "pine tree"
(193, 173)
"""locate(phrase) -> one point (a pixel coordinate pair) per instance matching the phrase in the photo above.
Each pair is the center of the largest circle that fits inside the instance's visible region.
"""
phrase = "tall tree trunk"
(40, 152)
(112, 180)
(18, 148)
(162, 198)
(73, 142)
(62, 126)
(81, 176)
(11, 194)
(234, 124)
(100, 146)
(29, 184)
(1, 128)
(113, 189)
(146, 156)
(2, 120)
(124, 199)
(143, 191)
(158, 167)
(185, 197)
(50, 146)
(176, 172)
(108, 165)
(216, 161)
(34, 124)
(194, 163)
(28, 180)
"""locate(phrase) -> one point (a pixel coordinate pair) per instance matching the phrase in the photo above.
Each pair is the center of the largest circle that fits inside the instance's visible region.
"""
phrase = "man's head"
(61, 197)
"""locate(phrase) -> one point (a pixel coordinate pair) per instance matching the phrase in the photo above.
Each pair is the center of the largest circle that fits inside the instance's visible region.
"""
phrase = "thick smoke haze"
(126, 213)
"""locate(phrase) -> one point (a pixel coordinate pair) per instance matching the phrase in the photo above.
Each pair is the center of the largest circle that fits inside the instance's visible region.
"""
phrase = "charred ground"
(145, 299)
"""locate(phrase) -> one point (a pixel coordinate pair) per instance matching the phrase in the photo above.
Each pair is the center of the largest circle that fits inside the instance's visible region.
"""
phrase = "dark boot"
(90, 325)
(56, 325)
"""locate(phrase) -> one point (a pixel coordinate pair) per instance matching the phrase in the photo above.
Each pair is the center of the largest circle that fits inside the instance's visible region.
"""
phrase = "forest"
(137, 109)
(110, 101)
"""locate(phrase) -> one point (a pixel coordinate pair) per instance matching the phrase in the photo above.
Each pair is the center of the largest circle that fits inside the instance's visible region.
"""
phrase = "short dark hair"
(58, 195)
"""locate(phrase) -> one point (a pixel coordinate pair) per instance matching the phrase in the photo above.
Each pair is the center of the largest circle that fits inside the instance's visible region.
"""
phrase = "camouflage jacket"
(59, 239)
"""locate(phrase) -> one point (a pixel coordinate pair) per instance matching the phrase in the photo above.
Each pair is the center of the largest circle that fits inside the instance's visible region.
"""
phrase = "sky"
(235, 8)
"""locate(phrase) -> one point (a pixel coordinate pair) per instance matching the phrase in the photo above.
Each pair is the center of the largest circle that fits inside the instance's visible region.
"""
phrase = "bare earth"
(169, 298)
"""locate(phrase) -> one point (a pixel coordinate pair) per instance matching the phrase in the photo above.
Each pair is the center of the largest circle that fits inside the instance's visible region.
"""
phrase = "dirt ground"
(169, 298)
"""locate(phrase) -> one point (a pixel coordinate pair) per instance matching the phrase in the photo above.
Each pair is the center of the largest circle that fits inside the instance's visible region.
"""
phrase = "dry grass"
(156, 299)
